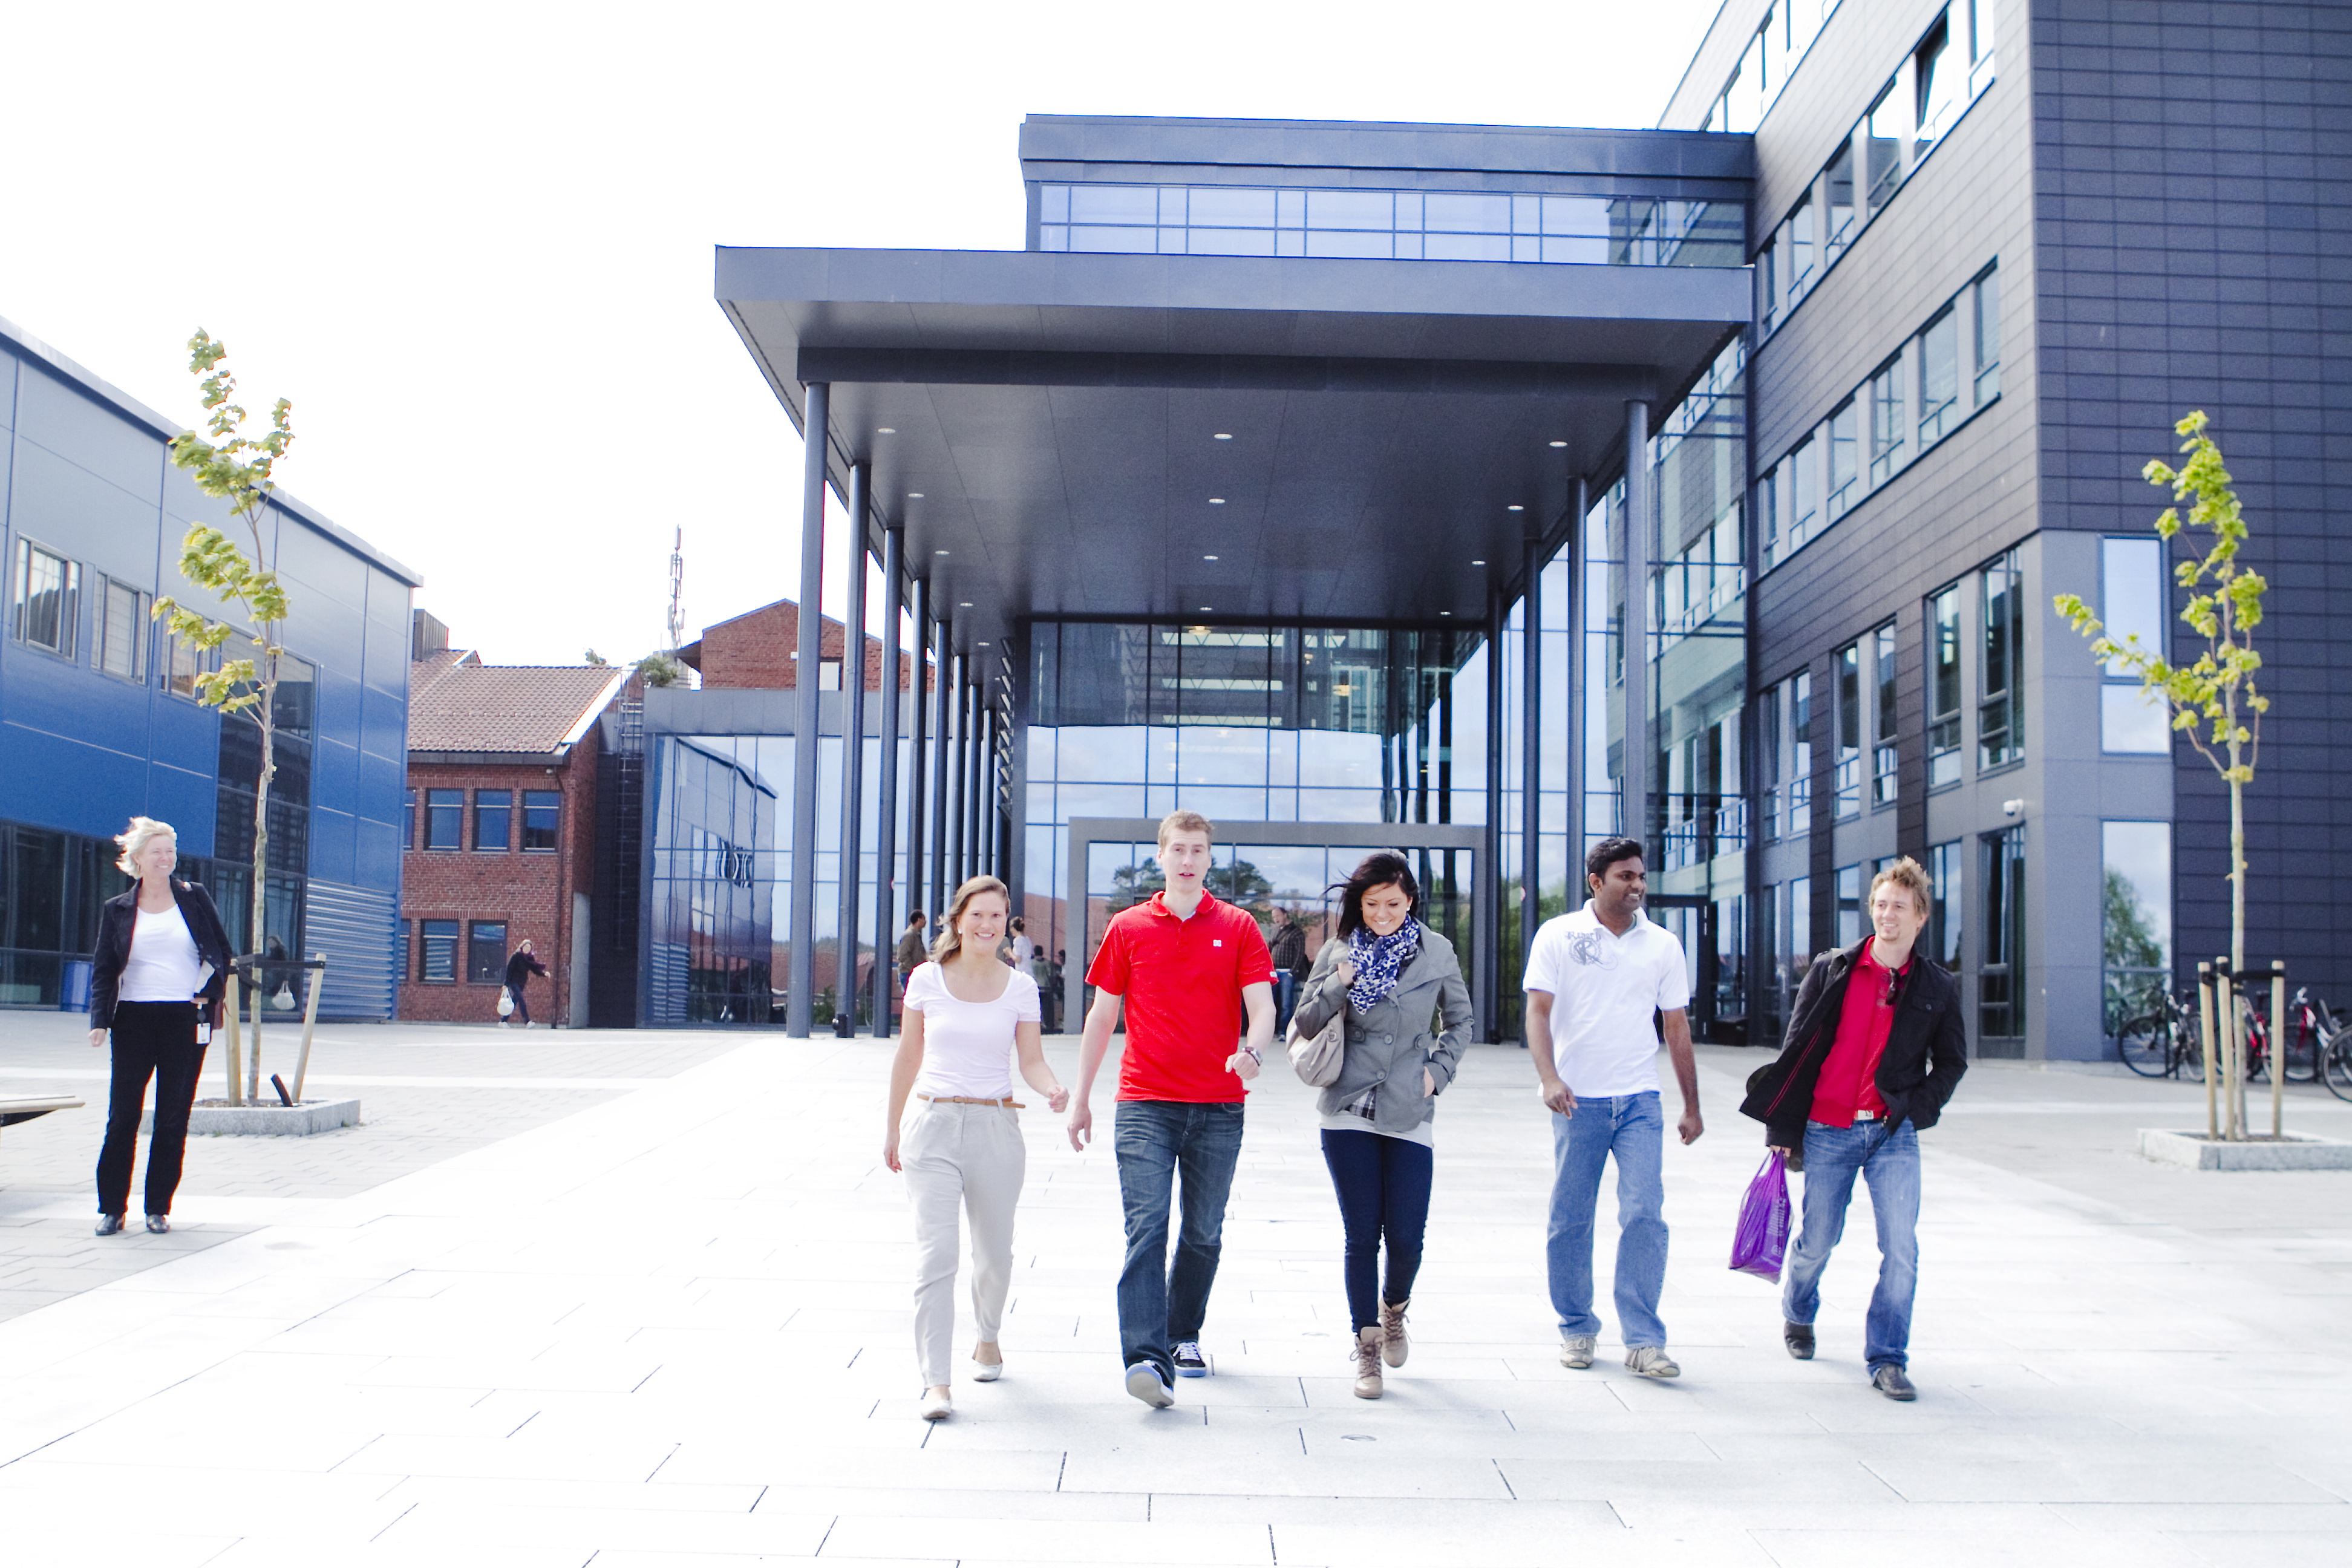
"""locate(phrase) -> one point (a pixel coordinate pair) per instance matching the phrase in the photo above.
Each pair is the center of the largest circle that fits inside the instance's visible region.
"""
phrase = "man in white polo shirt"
(1596, 978)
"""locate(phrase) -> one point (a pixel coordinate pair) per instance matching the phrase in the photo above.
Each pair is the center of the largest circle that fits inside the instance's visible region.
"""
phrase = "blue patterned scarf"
(1379, 960)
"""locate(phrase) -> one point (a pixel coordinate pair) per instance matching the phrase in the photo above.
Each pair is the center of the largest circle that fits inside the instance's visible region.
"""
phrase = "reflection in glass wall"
(2135, 918)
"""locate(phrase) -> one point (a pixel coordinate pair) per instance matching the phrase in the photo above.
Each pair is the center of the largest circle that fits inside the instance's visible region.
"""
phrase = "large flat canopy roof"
(1055, 418)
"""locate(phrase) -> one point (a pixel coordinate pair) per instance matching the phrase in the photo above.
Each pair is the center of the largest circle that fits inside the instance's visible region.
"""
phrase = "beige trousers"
(972, 1157)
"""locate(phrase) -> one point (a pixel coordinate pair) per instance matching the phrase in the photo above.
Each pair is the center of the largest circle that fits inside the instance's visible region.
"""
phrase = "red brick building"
(760, 649)
(502, 832)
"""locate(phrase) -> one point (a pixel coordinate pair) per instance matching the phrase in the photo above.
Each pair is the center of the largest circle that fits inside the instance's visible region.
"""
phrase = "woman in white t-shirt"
(967, 1014)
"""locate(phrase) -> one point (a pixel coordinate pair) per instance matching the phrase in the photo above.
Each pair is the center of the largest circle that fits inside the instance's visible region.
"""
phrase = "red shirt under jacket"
(1849, 1079)
(1182, 981)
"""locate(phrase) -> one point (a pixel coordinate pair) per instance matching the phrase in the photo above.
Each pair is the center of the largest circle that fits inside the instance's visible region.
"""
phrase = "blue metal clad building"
(97, 721)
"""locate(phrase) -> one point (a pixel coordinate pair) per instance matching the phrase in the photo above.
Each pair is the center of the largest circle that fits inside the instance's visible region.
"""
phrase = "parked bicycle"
(2335, 1054)
(2312, 1022)
(2162, 1042)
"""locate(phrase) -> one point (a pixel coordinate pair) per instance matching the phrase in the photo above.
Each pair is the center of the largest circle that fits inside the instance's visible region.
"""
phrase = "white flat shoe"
(987, 1371)
(937, 1407)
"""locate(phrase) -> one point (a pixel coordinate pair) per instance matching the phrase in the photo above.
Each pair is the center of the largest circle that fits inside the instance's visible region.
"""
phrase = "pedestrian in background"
(967, 1017)
(1023, 949)
(1596, 979)
(519, 969)
(155, 986)
(1407, 1007)
(1874, 1049)
(1288, 949)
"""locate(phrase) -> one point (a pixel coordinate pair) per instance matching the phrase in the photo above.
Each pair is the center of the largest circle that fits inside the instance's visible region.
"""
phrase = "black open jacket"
(120, 917)
(522, 967)
(1926, 1050)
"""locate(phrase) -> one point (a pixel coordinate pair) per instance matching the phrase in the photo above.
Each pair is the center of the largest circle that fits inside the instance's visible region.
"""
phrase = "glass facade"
(1391, 226)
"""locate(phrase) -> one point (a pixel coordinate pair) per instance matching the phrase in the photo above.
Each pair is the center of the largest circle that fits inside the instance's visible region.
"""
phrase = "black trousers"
(158, 1040)
(1383, 1186)
(521, 1013)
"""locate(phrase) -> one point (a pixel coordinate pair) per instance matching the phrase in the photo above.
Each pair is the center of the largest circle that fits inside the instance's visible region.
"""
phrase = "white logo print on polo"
(1216, 941)
(1585, 947)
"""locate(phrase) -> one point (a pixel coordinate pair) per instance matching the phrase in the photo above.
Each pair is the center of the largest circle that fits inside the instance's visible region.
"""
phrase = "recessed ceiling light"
(1519, 509)
(1444, 612)
(963, 604)
(938, 552)
(1559, 443)
(914, 495)
(980, 645)
(1206, 609)
(1477, 563)
(884, 430)
(1222, 435)
(1216, 501)
(1208, 558)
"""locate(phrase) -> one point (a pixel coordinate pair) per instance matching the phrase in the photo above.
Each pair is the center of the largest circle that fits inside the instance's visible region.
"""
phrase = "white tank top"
(164, 965)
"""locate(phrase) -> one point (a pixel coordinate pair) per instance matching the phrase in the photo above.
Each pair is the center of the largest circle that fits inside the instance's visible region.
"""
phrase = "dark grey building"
(1288, 475)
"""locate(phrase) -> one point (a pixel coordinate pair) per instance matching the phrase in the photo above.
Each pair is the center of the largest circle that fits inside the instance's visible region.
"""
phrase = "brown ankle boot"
(1396, 1344)
(1367, 1363)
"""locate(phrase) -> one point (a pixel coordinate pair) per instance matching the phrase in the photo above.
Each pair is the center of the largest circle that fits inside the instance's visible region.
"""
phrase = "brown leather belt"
(1008, 1101)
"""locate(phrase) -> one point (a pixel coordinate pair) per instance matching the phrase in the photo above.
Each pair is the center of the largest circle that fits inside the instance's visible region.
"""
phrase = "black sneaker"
(1190, 1362)
(1798, 1338)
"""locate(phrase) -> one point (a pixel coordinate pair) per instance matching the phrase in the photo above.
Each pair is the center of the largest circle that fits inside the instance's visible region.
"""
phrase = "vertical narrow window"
(1883, 751)
(1886, 424)
(1887, 127)
(407, 960)
(1839, 194)
(1939, 376)
(2000, 978)
(1985, 313)
(1844, 469)
(1801, 752)
(1944, 687)
(1798, 267)
(121, 630)
(1936, 84)
(2001, 727)
(1845, 763)
(1768, 290)
(1771, 725)
(493, 818)
(408, 819)
(1805, 470)
(1848, 885)
(485, 953)
(46, 608)
(2132, 604)
(445, 819)
(440, 945)
(2134, 918)
(1767, 516)
(542, 809)
(187, 662)
(1943, 913)
(1981, 53)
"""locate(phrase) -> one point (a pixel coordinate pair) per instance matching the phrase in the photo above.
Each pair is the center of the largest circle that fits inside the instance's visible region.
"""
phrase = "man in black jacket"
(1875, 1047)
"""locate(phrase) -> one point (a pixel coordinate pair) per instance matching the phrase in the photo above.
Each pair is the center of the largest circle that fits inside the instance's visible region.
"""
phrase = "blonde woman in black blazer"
(160, 970)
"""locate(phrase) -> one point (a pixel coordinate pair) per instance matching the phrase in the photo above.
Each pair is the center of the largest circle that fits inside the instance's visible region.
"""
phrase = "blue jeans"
(1889, 1162)
(1161, 1301)
(1285, 996)
(1384, 1187)
(1633, 1128)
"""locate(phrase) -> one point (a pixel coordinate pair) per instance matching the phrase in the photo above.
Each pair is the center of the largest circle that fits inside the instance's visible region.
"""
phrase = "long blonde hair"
(950, 940)
(142, 831)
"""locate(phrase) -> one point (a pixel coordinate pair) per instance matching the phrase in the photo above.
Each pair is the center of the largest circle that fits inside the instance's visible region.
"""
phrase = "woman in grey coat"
(1407, 1011)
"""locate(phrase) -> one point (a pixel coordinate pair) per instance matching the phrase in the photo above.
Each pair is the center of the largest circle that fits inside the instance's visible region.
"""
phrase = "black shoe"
(1798, 1338)
(159, 1223)
(1190, 1362)
(109, 1225)
(1889, 1381)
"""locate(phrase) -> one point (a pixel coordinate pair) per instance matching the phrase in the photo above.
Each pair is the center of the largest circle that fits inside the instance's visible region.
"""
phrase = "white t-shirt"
(1604, 987)
(968, 1045)
(163, 965)
(1023, 949)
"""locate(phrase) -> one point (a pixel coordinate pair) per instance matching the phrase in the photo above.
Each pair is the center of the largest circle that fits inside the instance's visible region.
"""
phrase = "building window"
(1788, 942)
(1943, 933)
(1768, 289)
(2000, 978)
(1788, 751)
(1850, 925)
(1939, 376)
(485, 953)
(1886, 429)
(440, 942)
(406, 958)
(542, 809)
(1944, 688)
(445, 819)
(1837, 189)
(1799, 266)
(1885, 129)
(121, 630)
(493, 818)
(408, 819)
(2131, 606)
(46, 605)
(1984, 307)
(2134, 918)
(185, 663)
(1845, 475)
(1883, 751)
(1846, 762)
(2001, 709)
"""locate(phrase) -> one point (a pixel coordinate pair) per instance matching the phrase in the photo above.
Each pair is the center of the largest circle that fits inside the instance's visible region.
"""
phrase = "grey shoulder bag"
(1315, 1059)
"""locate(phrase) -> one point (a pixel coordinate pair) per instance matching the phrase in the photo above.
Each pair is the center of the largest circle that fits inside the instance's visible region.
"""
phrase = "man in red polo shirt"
(1875, 1047)
(1187, 965)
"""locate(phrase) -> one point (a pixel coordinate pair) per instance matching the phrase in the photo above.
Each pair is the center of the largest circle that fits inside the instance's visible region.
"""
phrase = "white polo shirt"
(1604, 988)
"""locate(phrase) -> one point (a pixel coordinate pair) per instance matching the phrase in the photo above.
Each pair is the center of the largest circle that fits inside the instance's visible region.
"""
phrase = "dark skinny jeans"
(158, 1040)
(1384, 1187)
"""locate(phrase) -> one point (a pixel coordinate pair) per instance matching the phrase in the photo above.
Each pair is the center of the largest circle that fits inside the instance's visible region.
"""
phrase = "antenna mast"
(677, 592)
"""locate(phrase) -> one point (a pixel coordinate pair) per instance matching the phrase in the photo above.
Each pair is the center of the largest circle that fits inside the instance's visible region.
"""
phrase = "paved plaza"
(644, 1298)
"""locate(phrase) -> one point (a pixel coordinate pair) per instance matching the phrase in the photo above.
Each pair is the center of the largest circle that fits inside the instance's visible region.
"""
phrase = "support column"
(1490, 875)
(1580, 656)
(801, 976)
(958, 796)
(846, 988)
(919, 751)
(885, 805)
(1636, 775)
(1531, 730)
(940, 738)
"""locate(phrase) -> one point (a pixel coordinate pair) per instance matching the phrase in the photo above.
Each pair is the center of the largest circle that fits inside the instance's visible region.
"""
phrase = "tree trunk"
(259, 934)
(2237, 936)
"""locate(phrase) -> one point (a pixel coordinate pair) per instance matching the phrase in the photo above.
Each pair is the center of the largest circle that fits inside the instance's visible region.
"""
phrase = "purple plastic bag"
(1760, 1240)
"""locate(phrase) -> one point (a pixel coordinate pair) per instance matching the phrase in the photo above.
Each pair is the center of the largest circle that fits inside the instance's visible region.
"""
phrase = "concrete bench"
(24, 1107)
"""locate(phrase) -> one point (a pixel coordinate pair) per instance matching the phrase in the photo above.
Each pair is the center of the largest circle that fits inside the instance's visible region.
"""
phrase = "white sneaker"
(986, 1370)
(1652, 1360)
(937, 1407)
(1144, 1381)
(1576, 1351)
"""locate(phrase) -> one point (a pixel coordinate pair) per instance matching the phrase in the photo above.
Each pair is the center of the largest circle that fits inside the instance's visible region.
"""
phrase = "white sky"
(473, 242)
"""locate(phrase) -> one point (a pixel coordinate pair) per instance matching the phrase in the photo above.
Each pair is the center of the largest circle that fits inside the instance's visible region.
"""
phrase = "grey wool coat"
(1423, 1023)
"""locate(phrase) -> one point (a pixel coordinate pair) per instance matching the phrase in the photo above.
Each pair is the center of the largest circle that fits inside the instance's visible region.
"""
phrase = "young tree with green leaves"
(2215, 701)
(238, 470)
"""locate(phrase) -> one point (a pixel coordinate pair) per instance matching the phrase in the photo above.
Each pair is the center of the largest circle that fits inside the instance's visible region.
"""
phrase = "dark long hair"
(1381, 867)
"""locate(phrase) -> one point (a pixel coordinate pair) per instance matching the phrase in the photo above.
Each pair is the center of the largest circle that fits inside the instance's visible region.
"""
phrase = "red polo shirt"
(1849, 1079)
(1182, 983)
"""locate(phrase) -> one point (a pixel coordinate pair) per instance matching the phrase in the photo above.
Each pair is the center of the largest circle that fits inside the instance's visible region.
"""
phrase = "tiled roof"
(525, 709)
